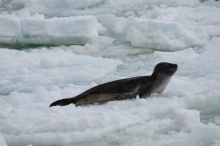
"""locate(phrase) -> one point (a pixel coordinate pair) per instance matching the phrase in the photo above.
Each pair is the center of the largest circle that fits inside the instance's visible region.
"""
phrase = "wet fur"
(113, 89)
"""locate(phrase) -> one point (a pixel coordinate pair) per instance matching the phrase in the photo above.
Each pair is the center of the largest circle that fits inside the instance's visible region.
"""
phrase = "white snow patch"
(26, 71)
(185, 118)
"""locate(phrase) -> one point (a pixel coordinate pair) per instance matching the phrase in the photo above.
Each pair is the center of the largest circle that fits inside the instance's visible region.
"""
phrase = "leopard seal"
(125, 88)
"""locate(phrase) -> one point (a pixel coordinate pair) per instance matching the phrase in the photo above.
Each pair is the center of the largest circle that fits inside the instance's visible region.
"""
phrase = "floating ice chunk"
(116, 27)
(158, 35)
(71, 30)
(202, 16)
(37, 30)
(10, 30)
(161, 35)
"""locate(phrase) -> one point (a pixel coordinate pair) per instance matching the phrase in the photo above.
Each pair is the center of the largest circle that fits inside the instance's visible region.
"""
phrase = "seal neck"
(159, 83)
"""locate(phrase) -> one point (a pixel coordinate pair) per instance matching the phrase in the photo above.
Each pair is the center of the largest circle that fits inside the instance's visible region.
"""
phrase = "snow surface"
(115, 40)
(50, 67)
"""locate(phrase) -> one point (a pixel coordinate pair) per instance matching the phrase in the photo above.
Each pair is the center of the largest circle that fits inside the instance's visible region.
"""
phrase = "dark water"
(24, 46)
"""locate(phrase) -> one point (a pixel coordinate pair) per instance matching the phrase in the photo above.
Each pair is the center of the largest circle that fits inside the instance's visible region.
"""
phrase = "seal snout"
(174, 67)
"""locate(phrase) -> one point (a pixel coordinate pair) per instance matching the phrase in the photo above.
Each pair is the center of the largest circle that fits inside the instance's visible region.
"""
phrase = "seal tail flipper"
(63, 102)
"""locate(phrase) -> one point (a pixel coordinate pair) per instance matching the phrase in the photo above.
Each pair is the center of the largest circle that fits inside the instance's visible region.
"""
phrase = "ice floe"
(54, 31)
(118, 39)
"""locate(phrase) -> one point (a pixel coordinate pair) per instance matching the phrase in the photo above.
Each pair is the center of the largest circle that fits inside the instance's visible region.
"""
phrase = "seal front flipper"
(127, 96)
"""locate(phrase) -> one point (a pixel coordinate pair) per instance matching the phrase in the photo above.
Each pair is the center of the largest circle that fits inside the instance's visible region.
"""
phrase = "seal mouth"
(174, 69)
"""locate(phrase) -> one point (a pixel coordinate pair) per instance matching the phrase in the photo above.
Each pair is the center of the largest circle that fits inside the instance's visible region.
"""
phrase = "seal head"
(165, 69)
(161, 76)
